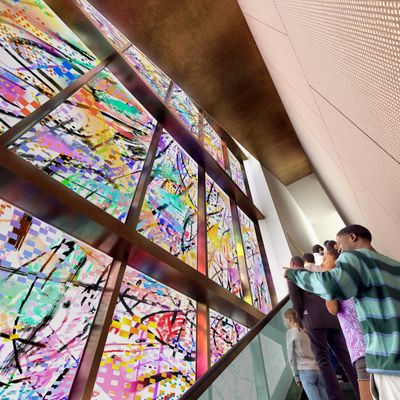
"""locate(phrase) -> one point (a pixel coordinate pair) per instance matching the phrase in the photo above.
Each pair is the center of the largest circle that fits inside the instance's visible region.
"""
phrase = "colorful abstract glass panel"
(224, 334)
(255, 267)
(223, 266)
(185, 109)
(103, 25)
(39, 56)
(148, 71)
(95, 143)
(50, 287)
(213, 144)
(150, 351)
(169, 213)
(236, 171)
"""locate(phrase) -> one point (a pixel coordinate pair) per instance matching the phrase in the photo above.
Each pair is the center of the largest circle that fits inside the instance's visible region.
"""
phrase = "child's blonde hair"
(292, 315)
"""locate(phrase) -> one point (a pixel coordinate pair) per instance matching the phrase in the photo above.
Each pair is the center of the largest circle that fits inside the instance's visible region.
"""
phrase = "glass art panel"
(95, 143)
(224, 334)
(50, 287)
(236, 171)
(185, 109)
(39, 56)
(150, 351)
(169, 213)
(255, 268)
(103, 25)
(223, 266)
(213, 144)
(148, 71)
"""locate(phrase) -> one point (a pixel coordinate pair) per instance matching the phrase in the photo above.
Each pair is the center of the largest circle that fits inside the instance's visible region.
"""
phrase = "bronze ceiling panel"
(206, 47)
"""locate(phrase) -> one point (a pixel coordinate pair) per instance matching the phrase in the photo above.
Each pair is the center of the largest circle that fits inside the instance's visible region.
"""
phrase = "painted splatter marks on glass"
(169, 213)
(213, 144)
(39, 56)
(255, 268)
(224, 334)
(185, 109)
(223, 266)
(50, 287)
(103, 25)
(148, 71)
(95, 143)
(236, 171)
(151, 345)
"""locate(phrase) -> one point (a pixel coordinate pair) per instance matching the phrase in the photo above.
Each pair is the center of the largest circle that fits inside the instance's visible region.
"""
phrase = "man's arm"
(340, 283)
(332, 306)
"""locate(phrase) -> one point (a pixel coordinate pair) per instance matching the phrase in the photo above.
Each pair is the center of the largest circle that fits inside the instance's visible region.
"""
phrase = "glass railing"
(257, 368)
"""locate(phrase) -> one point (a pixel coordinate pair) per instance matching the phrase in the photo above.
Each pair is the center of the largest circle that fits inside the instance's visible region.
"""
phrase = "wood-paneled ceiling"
(206, 47)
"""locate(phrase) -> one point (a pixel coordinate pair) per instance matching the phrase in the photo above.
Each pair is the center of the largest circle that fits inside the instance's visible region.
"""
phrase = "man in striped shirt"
(374, 281)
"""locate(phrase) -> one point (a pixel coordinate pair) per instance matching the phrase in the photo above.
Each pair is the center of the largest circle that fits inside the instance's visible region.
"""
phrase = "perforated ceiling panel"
(349, 56)
(350, 53)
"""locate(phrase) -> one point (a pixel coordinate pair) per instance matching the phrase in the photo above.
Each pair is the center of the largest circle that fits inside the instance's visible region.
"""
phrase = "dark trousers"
(320, 339)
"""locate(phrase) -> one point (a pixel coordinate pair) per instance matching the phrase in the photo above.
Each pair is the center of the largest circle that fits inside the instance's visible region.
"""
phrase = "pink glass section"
(50, 288)
(255, 267)
(236, 171)
(224, 334)
(223, 267)
(150, 351)
(213, 144)
(39, 56)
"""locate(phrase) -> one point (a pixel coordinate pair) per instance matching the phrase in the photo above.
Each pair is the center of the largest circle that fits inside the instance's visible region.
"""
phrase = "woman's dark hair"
(316, 248)
(334, 252)
(358, 230)
(330, 245)
(309, 257)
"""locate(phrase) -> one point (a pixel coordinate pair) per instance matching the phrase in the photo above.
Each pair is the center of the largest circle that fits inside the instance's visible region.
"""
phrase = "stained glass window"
(150, 351)
(39, 56)
(95, 143)
(255, 268)
(213, 144)
(185, 109)
(224, 334)
(103, 25)
(223, 266)
(50, 287)
(169, 213)
(236, 171)
(148, 71)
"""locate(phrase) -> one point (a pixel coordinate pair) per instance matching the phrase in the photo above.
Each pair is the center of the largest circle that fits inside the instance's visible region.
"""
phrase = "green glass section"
(261, 371)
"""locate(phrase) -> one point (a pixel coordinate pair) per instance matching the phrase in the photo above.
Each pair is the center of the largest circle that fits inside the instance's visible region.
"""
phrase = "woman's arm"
(332, 306)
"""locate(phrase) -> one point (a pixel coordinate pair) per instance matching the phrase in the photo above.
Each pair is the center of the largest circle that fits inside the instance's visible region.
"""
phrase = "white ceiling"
(336, 66)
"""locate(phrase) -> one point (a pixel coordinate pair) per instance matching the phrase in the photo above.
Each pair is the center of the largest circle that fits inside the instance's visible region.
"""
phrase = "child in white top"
(301, 358)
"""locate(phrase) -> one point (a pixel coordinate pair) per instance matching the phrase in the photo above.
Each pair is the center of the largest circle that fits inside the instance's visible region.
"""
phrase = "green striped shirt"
(374, 281)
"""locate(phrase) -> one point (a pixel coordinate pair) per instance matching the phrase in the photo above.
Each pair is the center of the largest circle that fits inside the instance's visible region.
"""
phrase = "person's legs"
(338, 345)
(321, 387)
(309, 382)
(363, 378)
(388, 386)
(319, 345)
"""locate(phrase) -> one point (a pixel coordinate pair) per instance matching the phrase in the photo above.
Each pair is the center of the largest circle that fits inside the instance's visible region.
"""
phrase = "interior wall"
(299, 232)
(336, 68)
(286, 231)
(316, 205)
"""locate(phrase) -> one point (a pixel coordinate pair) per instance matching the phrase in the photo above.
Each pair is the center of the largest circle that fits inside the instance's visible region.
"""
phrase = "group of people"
(346, 300)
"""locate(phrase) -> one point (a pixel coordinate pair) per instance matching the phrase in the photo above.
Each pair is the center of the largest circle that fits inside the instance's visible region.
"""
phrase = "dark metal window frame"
(49, 200)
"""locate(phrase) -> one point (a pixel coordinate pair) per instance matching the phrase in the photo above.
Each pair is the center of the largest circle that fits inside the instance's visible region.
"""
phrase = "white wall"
(319, 210)
(335, 65)
(284, 220)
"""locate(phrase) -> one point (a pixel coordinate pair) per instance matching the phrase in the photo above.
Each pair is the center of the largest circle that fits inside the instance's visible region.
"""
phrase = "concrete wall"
(286, 230)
